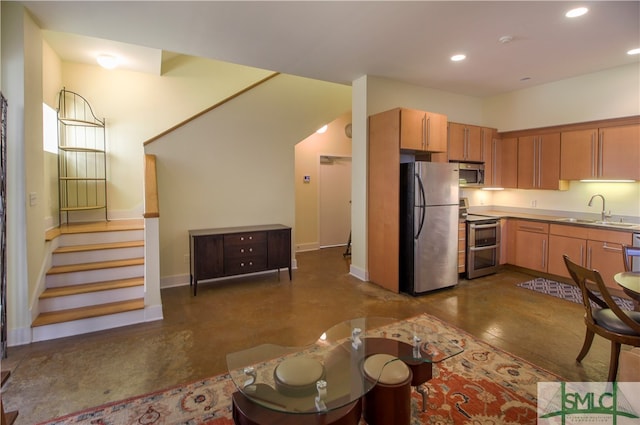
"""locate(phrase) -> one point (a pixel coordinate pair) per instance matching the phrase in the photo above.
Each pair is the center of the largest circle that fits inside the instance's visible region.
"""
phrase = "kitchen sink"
(595, 222)
(615, 224)
(576, 220)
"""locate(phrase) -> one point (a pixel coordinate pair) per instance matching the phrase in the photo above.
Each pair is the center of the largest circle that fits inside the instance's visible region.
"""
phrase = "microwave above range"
(471, 174)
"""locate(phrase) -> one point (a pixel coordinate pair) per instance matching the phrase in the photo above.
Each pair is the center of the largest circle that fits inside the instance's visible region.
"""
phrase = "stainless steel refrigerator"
(429, 214)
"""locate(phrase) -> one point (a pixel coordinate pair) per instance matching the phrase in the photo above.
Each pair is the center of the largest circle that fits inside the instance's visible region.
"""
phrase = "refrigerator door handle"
(421, 204)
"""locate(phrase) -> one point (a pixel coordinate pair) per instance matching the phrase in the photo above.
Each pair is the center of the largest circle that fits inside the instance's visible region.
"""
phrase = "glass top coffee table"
(326, 377)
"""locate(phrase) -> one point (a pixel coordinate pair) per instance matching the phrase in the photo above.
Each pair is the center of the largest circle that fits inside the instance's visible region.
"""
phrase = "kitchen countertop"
(556, 219)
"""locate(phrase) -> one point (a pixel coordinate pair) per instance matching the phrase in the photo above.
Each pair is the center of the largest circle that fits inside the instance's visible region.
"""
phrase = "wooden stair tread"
(95, 266)
(86, 288)
(99, 226)
(95, 247)
(61, 316)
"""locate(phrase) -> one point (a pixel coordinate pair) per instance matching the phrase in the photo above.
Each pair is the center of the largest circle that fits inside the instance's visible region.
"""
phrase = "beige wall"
(22, 86)
(51, 85)
(607, 94)
(138, 106)
(333, 142)
(235, 165)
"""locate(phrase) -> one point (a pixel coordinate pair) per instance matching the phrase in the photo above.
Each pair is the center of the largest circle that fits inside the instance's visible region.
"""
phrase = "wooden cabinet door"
(548, 172)
(279, 249)
(575, 248)
(578, 154)
(465, 142)
(531, 250)
(208, 257)
(508, 169)
(457, 135)
(527, 153)
(412, 129)
(539, 162)
(532, 240)
(620, 152)
(436, 132)
(606, 257)
(462, 246)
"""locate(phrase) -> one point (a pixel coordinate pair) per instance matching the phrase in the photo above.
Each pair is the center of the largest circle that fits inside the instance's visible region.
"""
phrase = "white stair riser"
(91, 298)
(69, 239)
(66, 258)
(93, 324)
(92, 276)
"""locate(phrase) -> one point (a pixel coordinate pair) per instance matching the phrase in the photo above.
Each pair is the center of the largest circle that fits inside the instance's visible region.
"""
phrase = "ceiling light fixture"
(458, 58)
(107, 61)
(322, 129)
(578, 11)
(634, 51)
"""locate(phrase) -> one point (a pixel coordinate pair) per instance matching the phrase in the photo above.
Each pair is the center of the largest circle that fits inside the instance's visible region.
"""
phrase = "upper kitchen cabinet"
(507, 163)
(539, 162)
(421, 131)
(465, 142)
(606, 153)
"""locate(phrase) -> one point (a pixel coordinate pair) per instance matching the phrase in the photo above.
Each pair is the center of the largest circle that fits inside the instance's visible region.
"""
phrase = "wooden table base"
(246, 412)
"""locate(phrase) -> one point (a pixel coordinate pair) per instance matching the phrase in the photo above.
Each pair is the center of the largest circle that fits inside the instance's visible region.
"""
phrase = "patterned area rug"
(567, 292)
(482, 385)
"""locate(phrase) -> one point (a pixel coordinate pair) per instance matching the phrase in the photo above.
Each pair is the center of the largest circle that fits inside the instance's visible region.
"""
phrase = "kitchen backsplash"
(622, 199)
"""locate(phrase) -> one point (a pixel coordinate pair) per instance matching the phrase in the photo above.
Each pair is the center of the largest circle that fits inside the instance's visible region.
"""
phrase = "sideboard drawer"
(242, 251)
(245, 238)
(233, 266)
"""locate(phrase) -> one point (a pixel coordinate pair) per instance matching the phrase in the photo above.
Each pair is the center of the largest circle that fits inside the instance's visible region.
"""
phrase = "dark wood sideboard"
(230, 251)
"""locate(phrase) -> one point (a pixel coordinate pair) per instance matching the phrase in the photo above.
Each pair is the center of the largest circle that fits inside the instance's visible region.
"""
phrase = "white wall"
(607, 94)
(333, 142)
(235, 165)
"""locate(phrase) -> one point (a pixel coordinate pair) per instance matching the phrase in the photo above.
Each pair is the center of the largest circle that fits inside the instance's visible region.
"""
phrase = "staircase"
(96, 281)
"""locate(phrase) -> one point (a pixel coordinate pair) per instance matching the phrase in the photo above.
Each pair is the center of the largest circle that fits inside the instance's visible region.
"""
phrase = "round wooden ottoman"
(389, 401)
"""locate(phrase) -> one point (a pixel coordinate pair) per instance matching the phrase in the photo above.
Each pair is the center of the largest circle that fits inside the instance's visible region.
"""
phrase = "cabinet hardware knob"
(242, 250)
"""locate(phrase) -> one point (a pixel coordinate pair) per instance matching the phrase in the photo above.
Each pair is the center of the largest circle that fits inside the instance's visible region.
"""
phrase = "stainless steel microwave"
(471, 174)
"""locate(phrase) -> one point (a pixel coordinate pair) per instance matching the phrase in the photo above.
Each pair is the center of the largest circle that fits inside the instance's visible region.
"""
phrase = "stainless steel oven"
(483, 245)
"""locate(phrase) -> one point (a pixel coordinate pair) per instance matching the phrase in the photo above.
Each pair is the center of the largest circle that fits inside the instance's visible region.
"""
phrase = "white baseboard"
(183, 279)
(303, 247)
(359, 273)
(21, 336)
(153, 312)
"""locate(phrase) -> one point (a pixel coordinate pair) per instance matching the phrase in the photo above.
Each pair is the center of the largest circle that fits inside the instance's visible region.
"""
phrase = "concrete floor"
(57, 377)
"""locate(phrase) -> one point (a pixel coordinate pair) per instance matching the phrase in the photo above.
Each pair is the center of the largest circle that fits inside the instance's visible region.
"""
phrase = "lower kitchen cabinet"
(231, 251)
(532, 240)
(604, 253)
(462, 245)
(566, 240)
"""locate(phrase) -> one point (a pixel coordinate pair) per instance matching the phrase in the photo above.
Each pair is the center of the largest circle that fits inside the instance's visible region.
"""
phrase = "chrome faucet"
(604, 213)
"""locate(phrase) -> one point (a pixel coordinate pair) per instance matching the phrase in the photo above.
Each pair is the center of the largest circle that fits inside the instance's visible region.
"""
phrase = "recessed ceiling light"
(322, 129)
(578, 11)
(634, 51)
(107, 61)
(458, 58)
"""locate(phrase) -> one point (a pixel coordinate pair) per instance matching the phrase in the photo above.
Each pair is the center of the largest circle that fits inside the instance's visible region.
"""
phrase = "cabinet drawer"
(622, 238)
(570, 231)
(244, 238)
(532, 226)
(251, 249)
(249, 264)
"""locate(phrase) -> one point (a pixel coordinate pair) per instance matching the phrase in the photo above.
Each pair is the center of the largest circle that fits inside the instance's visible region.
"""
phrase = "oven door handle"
(483, 248)
(484, 226)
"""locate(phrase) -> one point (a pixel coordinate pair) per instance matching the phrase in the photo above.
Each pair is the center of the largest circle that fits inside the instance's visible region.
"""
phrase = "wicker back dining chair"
(628, 254)
(603, 316)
